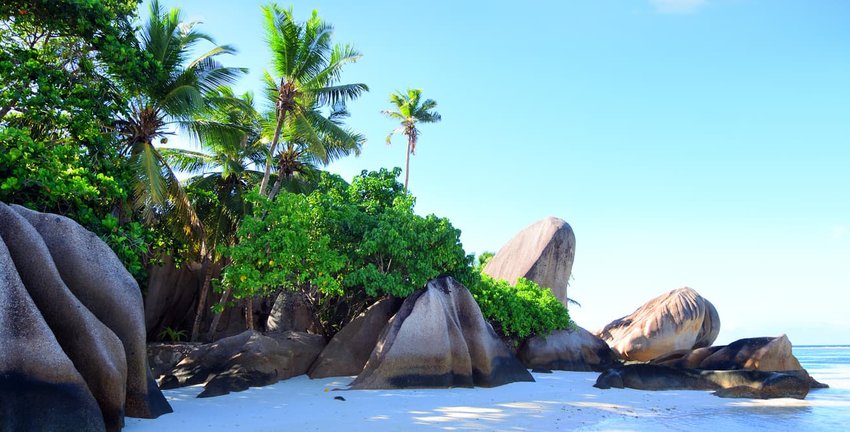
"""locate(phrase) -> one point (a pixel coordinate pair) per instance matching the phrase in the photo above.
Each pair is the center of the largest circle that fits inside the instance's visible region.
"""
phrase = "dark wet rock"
(439, 339)
(249, 359)
(163, 357)
(772, 354)
(677, 320)
(574, 349)
(348, 351)
(729, 383)
(542, 252)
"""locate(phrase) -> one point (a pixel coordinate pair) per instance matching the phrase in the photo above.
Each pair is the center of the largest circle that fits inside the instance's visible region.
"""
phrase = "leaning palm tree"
(224, 171)
(175, 90)
(410, 109)
(307, 70)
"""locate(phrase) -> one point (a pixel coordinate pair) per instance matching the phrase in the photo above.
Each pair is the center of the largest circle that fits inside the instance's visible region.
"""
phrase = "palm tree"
(308, 69)
(176, 89)
(224, 172)
(410, 109)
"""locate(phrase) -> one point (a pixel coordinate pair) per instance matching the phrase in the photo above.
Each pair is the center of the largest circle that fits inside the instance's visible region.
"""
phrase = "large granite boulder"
(172, 295)
(92, 308)
(573, 349)
(440, 339)
(292, 312)
(96, 277)
(348, 351)
(164, 356)
(249, 359)
(731, 383)
(770, 354)
(40, 388)
(543, 252)
(678, 320)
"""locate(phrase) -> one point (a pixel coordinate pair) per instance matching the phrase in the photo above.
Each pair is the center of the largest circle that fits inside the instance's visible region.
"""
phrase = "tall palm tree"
(410, 109)
(224, 171)
(307, 70)
(176, 89)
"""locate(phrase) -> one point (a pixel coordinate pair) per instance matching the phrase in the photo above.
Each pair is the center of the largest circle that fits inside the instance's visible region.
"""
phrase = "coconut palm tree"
(175, 91)
(307, 70)
(224, 172)
(410, 109)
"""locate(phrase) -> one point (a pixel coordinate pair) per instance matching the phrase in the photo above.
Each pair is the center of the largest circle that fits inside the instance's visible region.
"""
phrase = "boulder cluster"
(72, 330)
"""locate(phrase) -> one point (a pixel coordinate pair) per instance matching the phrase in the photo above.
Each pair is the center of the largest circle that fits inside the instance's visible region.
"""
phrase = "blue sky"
(699, 143)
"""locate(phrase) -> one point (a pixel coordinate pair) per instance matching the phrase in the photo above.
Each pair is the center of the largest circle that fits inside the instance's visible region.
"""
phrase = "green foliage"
(172, 334)
(61, 179)
(521, 310)
(62, 65)
(343, 245)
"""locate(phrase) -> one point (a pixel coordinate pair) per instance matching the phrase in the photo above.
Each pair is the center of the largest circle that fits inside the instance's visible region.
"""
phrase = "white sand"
(557, 401)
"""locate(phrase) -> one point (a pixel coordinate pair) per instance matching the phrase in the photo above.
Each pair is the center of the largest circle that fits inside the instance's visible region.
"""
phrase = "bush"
(343, 245)
(521, 310)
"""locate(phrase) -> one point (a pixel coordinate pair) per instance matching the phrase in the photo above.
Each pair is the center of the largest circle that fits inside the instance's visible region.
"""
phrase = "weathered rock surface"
(163, 357)
(678, 320)
(172, 295)
(732, 383)
(40, 389)
(95, 351)
(91, 307)
(440, 339)
(93, 273)
(543, 252)
(572, 350)
(291, 312)
(771, 354)
(348, 351)
(249, 359)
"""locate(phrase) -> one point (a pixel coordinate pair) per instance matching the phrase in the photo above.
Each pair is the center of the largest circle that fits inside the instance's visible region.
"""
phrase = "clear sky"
(701, 143)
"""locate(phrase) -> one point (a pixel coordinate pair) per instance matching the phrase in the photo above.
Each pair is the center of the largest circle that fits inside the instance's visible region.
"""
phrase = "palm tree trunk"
(281, 117)
(407, 164)
(249, 312)
(217, 317)
(202, 301)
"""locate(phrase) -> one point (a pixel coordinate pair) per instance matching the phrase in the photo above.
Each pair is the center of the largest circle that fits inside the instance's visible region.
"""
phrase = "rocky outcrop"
(737, 383)
(172, 295)
(678, 320)
(292, 312)
(440, 339)
(249, 359)
(543, 252)
(574, 349)
(163, 357)
(770, 354)
(348, 351)
(93, 273)
(67, 283)
(40, 389)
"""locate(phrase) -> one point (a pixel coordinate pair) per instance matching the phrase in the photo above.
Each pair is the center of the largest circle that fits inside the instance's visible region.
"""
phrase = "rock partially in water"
(731, 383)
(439, 339)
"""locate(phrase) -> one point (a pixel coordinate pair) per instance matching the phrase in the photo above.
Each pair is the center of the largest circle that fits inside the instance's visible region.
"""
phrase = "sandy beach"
(557, 401)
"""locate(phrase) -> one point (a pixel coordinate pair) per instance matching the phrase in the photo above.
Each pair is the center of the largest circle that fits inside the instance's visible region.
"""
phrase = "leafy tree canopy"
(344, 245)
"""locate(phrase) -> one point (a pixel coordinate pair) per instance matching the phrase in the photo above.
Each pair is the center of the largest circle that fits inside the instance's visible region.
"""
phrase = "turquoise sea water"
(822, 410)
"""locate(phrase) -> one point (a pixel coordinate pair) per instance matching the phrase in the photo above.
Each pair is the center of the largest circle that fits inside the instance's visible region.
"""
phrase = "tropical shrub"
(521, 310)
(343, 245)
